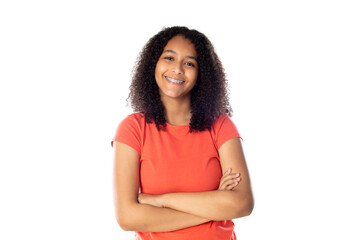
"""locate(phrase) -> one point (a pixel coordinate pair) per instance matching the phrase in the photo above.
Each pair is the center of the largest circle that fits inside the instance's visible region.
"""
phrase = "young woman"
(179, 167)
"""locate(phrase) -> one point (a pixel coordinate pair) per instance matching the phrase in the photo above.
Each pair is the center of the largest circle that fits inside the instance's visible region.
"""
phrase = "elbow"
(123, 223)
(125, 220)
(249, 208)
(245, 207)
(250, 205)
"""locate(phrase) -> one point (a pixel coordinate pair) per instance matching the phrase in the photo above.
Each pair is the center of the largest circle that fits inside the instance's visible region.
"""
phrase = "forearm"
(215, 205)
(147, 218)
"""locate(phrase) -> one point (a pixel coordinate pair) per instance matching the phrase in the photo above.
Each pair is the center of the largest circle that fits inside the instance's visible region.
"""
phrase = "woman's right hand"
(229, 180)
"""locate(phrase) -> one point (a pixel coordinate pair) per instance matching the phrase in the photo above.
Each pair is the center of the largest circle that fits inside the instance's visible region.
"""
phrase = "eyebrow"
(172, 51)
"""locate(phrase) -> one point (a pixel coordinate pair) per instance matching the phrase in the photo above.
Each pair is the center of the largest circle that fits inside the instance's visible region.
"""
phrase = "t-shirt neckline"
(176, 126)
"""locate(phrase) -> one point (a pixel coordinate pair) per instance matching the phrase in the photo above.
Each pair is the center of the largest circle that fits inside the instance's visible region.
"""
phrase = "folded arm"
(147, 218)
(216, 205)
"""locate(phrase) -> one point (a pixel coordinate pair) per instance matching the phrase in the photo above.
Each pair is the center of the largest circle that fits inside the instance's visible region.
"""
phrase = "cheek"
(160, 68)
(158, 72)
(194, 76)
(156, 69)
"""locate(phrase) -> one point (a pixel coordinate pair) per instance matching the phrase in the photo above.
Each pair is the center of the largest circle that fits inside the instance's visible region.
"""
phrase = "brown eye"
(168, 58)
(190, 64)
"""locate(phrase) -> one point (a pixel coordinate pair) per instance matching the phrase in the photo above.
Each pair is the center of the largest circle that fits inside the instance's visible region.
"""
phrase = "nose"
(178, 68)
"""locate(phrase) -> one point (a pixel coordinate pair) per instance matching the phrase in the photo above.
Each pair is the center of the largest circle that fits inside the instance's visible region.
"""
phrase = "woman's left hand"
(154, 200)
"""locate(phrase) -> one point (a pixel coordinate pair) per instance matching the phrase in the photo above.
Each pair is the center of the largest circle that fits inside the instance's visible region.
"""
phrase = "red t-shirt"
(176, 160)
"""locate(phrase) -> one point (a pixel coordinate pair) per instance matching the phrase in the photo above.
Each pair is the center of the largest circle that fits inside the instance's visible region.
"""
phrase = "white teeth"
(174, 80)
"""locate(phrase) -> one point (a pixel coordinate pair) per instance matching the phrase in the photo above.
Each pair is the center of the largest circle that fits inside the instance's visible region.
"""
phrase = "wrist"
(162, 201)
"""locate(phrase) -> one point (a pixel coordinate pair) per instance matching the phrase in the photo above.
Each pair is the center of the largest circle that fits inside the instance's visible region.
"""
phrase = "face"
(177, 69)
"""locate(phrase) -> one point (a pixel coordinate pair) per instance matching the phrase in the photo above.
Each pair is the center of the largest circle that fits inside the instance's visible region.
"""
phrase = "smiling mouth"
(174, 80)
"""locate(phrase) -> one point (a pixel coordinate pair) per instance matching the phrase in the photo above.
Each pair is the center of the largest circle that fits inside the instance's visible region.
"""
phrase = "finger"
(228, 187)
(224, 181)
(229, 181)
(227, 171)
(230, 176)
(235, 184)
(232, 186)
(224, 184)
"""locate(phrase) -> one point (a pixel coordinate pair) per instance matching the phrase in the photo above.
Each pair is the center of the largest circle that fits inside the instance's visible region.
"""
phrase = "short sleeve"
(129, 133)
(225, 130)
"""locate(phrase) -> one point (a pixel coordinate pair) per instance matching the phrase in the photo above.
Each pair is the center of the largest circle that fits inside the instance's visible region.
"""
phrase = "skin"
(173, 211)
(228, 182)
(178, 61)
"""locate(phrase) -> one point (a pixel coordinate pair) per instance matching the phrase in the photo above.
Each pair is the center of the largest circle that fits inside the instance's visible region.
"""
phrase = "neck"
(177, 112)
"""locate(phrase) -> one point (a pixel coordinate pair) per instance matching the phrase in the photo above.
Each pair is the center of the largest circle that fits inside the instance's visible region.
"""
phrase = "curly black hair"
(209, 97)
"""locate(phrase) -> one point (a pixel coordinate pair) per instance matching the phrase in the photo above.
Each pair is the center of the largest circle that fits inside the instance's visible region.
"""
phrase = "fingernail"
(238, 174)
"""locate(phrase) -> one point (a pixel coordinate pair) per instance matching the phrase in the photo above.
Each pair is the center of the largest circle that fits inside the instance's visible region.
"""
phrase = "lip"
(166, 77)
(174, 78)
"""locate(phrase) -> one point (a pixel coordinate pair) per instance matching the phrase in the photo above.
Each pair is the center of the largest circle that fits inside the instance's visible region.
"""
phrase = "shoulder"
(224, 129)
(132, 124)
(137, 117)
(223, 119)
(134, 119)
(130, 131)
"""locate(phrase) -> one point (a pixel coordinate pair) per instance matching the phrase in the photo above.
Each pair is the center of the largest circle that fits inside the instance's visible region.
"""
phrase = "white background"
(293, 70)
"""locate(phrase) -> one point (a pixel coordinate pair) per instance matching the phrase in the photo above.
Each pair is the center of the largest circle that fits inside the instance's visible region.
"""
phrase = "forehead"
(181, 45)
